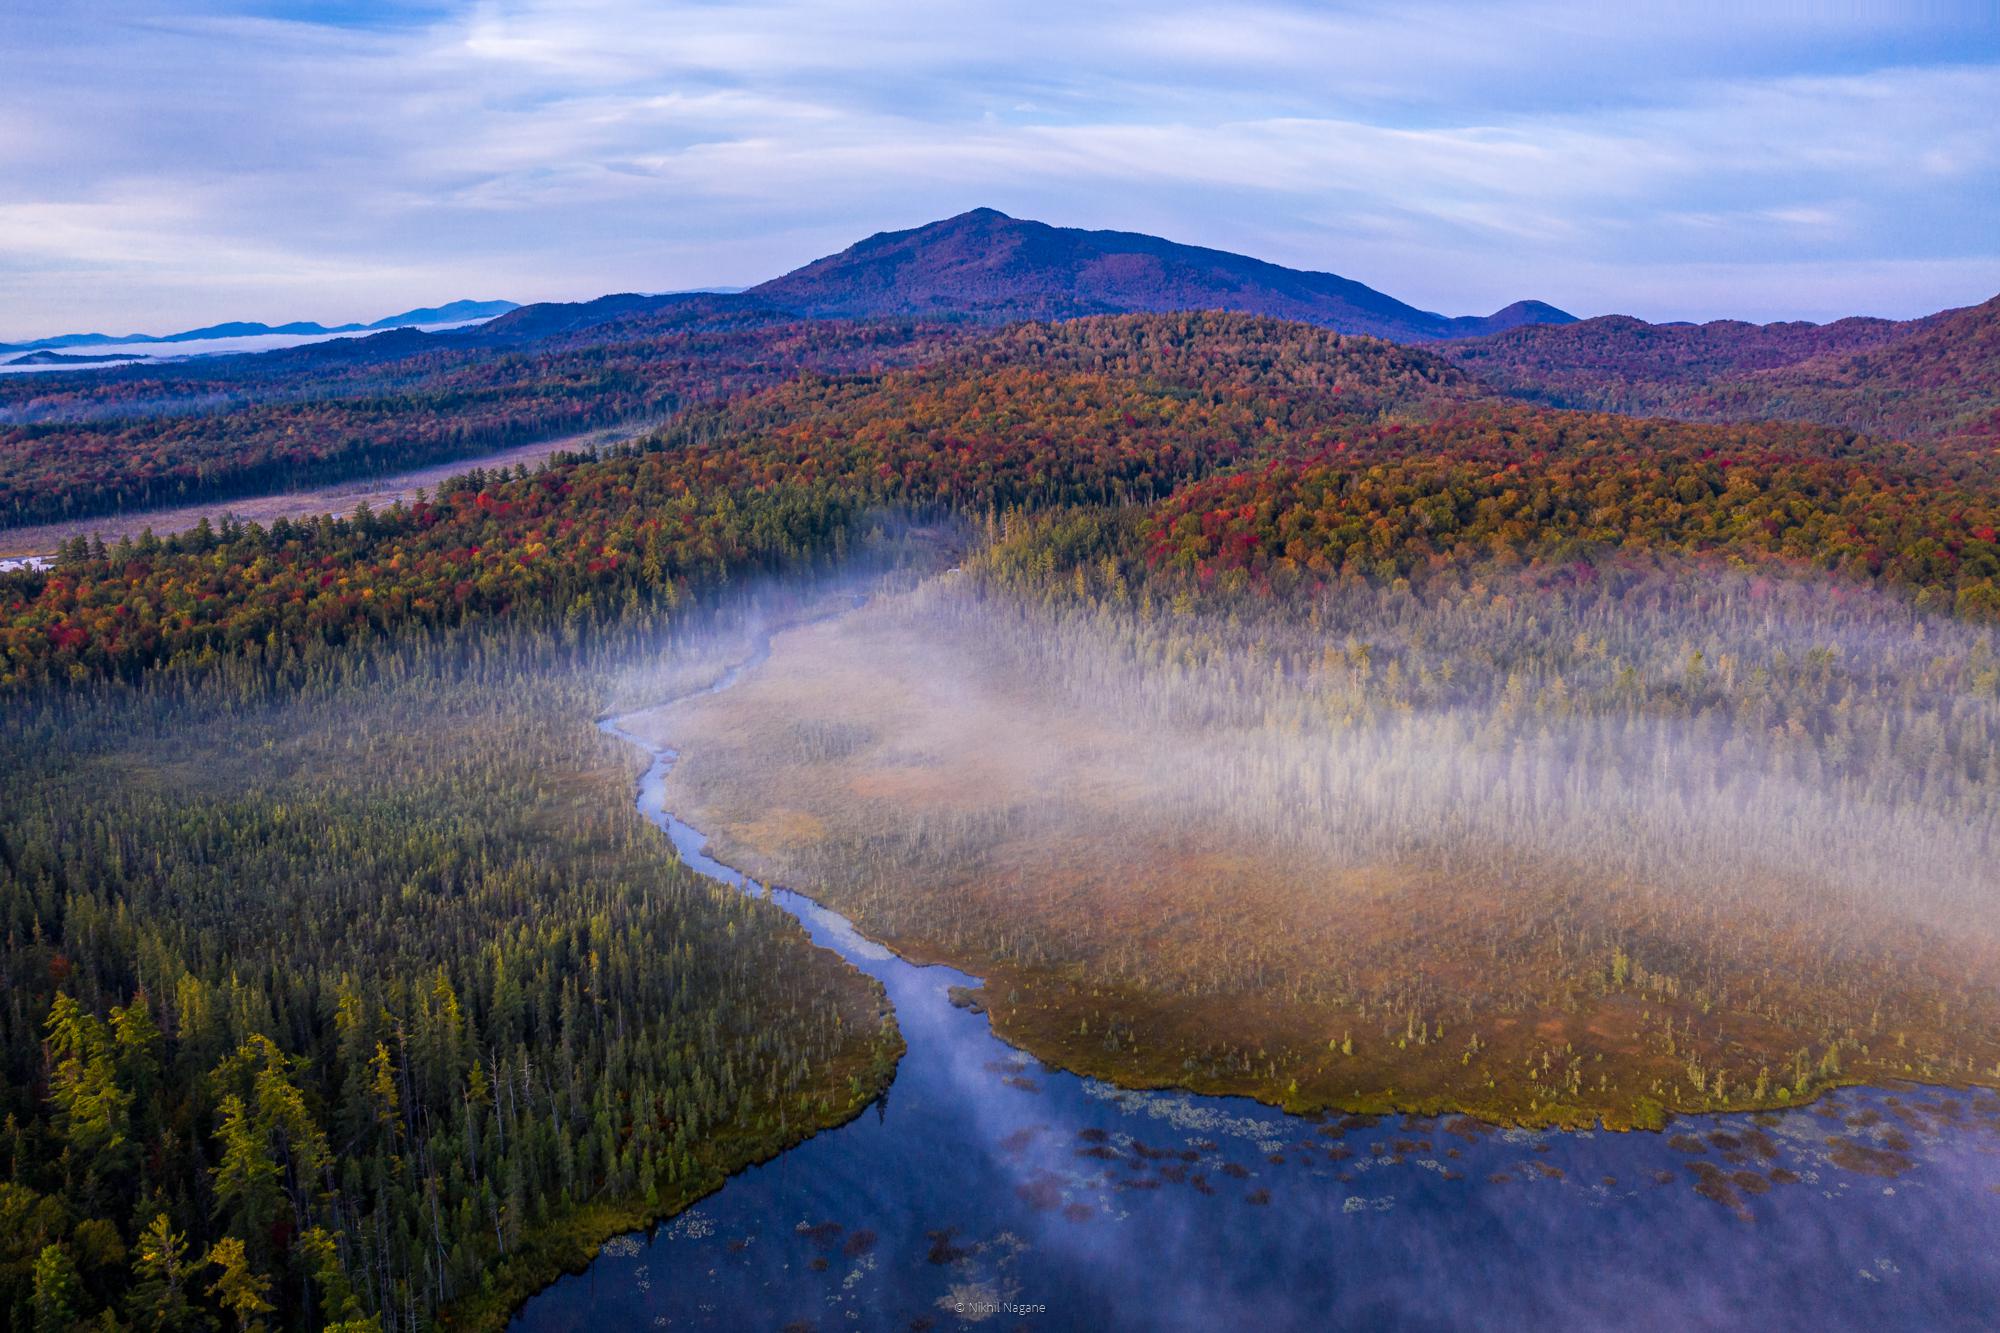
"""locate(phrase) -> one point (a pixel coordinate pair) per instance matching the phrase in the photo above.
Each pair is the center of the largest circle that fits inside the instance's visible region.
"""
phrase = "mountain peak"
(1513, 317)
(984, 265)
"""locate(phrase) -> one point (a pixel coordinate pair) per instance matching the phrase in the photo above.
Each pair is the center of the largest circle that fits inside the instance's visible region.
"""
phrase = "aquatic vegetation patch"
(1852, 1155)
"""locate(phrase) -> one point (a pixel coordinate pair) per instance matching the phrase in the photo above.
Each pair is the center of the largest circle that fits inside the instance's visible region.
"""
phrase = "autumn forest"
(1585, 723)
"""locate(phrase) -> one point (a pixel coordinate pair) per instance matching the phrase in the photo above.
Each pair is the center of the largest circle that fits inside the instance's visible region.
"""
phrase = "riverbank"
(575, 1242)
(988, 1184)
(844, 1090)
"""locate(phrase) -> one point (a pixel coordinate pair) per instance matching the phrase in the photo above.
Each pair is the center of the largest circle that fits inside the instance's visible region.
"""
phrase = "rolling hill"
(1928, 378)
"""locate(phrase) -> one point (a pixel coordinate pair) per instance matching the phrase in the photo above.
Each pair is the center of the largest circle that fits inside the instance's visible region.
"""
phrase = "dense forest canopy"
(376, 999)
(344, 986)
(73, 446)
(1305, 455)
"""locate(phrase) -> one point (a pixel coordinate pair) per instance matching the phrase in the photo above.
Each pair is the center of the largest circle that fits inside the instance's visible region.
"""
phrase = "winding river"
(986, 1189)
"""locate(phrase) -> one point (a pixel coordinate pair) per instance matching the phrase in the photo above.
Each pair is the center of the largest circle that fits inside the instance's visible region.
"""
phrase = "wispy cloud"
(221, 158)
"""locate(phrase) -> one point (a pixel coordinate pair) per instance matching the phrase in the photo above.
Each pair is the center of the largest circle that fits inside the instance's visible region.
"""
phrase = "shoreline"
(657, 757)
(572, 1246)
(921, 955)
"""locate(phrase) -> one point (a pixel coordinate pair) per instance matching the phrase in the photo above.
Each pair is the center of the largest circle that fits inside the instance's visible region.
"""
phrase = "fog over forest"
(1736, 739)
(1744, 795)
(1778, 737)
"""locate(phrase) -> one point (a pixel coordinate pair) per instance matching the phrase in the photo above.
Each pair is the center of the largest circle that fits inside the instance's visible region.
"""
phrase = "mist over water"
(1736, 832)
(988, 1189)
(166, 354)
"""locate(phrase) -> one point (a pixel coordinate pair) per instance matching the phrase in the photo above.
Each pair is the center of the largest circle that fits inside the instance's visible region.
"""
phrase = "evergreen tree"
(58, 1292)
(158, 1302)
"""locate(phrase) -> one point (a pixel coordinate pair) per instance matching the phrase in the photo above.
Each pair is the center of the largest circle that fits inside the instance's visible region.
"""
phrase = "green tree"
(240, 1289)
(158, 1301)
(139, 1046)
(58, 1293)
(92, 1110)
(282, 1117)
(339, 1307)
(246, 1181)
(382, 1090)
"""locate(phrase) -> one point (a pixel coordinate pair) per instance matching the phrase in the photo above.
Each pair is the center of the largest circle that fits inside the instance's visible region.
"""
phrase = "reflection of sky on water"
(985, 1180)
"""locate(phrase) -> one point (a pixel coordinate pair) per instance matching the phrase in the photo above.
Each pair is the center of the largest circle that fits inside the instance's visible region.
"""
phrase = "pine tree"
(92, 1110)
(240, 1289)
(339, 1306)
(158, 1302)
(382, 1091)
(246, 1181)
(58, 1292)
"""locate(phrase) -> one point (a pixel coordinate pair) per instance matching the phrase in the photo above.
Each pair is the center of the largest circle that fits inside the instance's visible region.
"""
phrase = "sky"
(167, 165)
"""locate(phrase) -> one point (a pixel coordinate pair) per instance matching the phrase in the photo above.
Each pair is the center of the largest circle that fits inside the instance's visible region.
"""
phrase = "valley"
(1228, 776)
(990, 1184)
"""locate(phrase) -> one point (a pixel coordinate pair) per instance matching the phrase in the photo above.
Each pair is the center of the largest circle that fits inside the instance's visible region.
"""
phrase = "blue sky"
(165, 165)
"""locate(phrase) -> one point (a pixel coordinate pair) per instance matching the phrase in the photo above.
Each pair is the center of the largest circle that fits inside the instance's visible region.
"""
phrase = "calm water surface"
(987, 1190)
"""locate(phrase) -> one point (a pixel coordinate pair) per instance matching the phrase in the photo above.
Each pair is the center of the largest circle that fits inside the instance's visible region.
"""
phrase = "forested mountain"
(1939, 382)
(1926, 378)
(986, 265)
(79, 444)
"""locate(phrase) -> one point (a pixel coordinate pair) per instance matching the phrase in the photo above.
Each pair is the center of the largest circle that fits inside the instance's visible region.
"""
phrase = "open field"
(341, 497)
(1217, 857)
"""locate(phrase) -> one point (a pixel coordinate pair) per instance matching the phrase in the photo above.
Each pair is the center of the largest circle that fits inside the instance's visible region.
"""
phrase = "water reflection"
(989, 1190)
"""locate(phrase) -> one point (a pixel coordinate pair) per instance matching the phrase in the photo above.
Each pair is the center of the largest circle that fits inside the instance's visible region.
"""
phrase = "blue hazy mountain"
(454, 312)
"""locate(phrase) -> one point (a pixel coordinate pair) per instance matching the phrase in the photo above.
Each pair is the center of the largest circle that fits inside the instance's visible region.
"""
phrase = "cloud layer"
(163, 165)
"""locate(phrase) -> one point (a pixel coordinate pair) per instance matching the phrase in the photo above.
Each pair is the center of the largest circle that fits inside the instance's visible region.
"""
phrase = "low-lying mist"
(1787, 736)
(1732, 793)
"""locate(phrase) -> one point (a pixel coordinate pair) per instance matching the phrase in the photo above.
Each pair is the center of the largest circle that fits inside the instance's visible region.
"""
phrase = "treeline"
(136, 439)
(1780, 796)
(343, 1012)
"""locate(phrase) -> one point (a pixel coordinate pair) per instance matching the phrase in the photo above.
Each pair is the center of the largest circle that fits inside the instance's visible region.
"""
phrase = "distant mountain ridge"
(1936, 377)
(988, 266)
(1638, 352)
(1928, 378)
(453, 312)
(980, 266)
(548, 319)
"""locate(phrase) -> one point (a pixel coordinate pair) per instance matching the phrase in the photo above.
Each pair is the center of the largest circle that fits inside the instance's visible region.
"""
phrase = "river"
(986, 1189)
